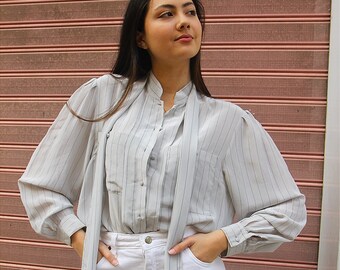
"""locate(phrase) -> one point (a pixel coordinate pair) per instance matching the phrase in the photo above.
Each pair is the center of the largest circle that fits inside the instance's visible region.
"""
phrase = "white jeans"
(146, 252)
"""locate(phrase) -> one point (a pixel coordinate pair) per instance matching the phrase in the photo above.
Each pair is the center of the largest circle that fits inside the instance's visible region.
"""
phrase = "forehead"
(176, 3)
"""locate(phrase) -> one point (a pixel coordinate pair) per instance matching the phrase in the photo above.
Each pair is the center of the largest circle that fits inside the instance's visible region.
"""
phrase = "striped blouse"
(241, 184)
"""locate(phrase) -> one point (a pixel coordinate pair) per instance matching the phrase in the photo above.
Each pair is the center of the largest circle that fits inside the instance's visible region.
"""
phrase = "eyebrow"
(173, 6)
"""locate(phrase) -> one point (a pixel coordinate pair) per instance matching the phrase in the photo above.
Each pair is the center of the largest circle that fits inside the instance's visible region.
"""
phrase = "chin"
(186, 54)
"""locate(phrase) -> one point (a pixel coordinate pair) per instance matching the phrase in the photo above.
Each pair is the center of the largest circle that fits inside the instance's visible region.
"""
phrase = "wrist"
(222, 240)
(77, 237)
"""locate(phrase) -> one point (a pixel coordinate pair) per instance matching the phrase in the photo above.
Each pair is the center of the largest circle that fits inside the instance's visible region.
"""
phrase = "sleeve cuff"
(68, 226)
(237, 236)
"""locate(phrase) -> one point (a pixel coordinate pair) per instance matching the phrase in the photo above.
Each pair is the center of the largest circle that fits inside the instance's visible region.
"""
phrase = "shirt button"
(107, 135)
(152, 158)
(142, 184)
(148, 240)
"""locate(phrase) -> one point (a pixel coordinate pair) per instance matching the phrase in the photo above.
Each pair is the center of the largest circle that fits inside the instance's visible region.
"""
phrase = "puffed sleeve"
(53, 178)
(269, 208)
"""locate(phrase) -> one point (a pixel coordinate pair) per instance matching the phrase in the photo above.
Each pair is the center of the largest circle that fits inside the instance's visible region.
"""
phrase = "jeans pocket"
(104, 264)
(191, 262)
(101, 261)
(194, 258)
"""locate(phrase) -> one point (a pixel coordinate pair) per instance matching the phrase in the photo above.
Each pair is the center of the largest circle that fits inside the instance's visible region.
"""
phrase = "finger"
(188, 242)
(105, 251)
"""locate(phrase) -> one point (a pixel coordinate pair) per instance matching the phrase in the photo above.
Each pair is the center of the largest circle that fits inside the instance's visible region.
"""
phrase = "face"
(172, 31)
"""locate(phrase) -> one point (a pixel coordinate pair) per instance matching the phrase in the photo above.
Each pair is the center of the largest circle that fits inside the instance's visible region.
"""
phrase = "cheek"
(198, 28)
(158, 37)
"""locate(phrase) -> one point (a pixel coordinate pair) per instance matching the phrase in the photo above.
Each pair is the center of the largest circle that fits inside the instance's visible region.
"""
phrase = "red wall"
(269, 56)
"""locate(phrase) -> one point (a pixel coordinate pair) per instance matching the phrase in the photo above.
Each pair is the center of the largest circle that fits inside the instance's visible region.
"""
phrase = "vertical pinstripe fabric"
(92, 233)
(241, 183)
(185, 180)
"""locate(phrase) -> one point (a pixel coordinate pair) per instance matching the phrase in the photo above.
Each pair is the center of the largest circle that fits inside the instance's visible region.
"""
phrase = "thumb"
(188, 242)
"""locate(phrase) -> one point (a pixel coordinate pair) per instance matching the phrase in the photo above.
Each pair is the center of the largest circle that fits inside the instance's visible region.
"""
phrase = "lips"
(186, 37)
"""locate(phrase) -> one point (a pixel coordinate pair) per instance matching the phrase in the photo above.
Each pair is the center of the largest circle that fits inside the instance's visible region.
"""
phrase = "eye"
(192, 12)
(166, 14)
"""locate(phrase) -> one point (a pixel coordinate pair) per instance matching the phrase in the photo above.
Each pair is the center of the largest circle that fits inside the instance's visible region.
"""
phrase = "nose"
(183, 23)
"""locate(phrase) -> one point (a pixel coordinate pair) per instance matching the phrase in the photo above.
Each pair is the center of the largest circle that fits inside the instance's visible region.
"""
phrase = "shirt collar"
(155, 89)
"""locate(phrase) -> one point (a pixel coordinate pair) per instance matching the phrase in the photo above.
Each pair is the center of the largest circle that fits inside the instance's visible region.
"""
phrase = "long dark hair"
(134, 63)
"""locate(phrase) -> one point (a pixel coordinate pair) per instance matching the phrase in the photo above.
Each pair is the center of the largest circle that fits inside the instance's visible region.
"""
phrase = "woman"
(165, 176)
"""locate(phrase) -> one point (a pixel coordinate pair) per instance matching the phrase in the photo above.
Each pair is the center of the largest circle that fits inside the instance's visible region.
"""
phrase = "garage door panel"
(233, 60)
(112, 9)
(303, 170)
(48, 255)
(303, 142)
(268, 114)
(302, 251)
(226, 87)
(216, 34)
(20, 229)
(11, 203)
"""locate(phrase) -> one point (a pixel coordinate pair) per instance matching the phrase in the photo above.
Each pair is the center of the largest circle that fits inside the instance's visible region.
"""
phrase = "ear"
(140, 41)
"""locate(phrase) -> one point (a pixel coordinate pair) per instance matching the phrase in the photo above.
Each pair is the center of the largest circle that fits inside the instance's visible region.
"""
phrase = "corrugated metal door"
(269, 56)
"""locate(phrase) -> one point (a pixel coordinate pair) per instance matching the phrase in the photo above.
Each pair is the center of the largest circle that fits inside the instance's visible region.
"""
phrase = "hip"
(146, 251)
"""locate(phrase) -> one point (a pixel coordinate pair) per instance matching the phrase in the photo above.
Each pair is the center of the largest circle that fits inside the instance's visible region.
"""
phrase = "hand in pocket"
(205, 247)
(77, 243)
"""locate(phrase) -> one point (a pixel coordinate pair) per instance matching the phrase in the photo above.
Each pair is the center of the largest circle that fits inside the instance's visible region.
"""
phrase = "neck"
(172, 78)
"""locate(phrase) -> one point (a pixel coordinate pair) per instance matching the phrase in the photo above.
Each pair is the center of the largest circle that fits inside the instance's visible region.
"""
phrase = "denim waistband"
(145, 240)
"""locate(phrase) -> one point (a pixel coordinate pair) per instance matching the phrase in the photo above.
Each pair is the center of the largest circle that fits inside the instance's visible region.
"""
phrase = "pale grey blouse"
(242, 184)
